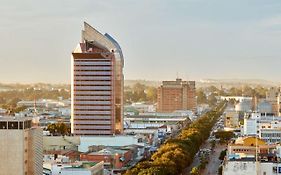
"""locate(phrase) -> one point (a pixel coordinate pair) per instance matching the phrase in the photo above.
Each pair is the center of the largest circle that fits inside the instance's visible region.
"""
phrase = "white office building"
(21, 148)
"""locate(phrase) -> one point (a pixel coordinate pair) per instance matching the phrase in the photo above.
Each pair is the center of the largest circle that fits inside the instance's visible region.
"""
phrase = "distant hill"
(145, 82)
(237, 82)
(19, 86)
(227, 83)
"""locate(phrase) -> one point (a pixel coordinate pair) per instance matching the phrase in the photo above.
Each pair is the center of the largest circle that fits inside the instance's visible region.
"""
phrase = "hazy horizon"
(194, 39)
(246, 81)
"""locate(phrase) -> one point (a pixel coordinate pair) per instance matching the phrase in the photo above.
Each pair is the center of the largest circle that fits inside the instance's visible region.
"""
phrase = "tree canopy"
(177, 153)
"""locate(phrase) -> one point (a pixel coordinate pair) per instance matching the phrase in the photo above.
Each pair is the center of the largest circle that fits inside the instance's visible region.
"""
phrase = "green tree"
(224, 136)
(195, 171)
(248, 91)
(138, 92)
(213, 89)
(222, 155)
(58, 129)
(212, 100)
(151, 94)
(177, 153)
(235, 91)
(260, 92)
(201, 97)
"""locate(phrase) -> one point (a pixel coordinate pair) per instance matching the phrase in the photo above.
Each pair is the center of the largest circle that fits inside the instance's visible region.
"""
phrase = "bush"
(222, 155)
(195, 171)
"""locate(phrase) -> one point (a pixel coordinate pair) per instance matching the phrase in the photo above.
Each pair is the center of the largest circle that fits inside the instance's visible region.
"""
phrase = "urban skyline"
(204, 37)
(227, 124)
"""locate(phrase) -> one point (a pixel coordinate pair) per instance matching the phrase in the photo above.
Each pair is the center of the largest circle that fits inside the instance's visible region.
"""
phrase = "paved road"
(214, 157)
(214, 162)
(196, 160)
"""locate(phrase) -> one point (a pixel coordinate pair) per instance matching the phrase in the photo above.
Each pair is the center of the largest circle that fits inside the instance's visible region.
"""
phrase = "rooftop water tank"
(244, 106)
(265, 107)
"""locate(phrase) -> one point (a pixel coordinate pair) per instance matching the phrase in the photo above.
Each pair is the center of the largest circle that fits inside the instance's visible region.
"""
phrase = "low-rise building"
(142, 107)
(84, 168)
(255, 121)
(231, 119)
(51, 143)
(60, 165)
(247, 146)
(271, 135)
(41, 103)
(174, 120)
(118, 140)
(250, 155)
(247, 166)
(3, 112)
(113, 158)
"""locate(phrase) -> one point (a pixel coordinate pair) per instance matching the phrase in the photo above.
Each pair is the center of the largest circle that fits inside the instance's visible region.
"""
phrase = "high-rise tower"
(97, 85)
(176, 95)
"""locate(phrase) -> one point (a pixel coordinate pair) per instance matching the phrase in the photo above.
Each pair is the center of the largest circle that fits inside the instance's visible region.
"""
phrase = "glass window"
(13, 125)
(20, 125)
(3, 125)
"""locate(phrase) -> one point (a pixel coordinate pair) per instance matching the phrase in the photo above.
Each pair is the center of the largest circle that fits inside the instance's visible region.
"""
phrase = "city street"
(196, 160)
(214, 162)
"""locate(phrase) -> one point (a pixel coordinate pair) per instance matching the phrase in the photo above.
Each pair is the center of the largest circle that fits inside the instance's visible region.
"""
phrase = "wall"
(12, 152)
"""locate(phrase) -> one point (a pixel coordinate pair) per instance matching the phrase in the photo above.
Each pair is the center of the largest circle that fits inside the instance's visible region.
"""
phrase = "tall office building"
(21, 147)
(97, 85)
(176, 95)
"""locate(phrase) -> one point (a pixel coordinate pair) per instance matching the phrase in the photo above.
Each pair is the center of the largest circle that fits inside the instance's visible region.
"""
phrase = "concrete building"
(56, 143)
(149, 120)
(97, 85)
(60, 165)
(273, 96)
(112, 158)
(246, 147)
(272, 135)
(267, 127)
(247, 166)
(20, 147)
(42, 103)
(256, 122)
(244, 106)
(241, 157)
(176, 95)
(156, 127)
(3, 111)
(231, 119)
(142, 107)
(84, 168)
(236, 98)
(265, 107)
(120, 140)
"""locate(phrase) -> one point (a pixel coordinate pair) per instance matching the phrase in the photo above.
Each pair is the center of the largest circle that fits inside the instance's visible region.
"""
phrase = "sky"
(160, 39)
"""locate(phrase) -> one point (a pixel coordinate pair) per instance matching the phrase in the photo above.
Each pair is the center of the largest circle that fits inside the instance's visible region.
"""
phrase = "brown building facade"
(97, 85)
(176, 95)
